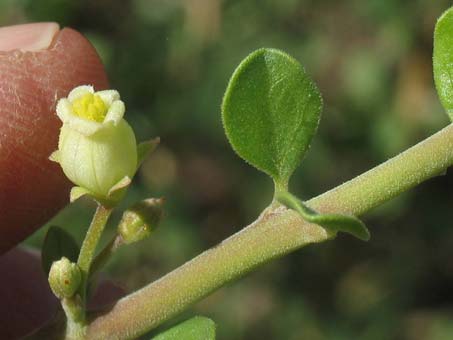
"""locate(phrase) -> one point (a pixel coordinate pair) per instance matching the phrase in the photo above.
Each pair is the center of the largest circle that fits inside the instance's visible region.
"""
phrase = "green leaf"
(77, 192)
(270, 112)
(114, 195)
(58, 243)
(443, 60)
(333, 222)
(144, 149)
(119, 189)
(196, 328)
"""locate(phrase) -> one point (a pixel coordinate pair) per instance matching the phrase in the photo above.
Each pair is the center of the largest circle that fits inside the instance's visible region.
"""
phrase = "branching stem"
(275, 233)
(106, 254)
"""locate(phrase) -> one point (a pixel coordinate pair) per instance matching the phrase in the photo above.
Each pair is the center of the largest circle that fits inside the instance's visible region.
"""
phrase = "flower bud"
(64, 278)
(97, 147)
(140, 220)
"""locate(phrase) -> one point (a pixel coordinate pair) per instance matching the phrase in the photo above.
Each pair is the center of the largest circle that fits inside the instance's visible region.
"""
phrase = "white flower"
(97, 147)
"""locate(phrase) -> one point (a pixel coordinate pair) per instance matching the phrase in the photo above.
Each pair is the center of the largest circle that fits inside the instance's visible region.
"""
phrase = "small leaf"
(114, 195)
(270, 112)
(55, 156)
(145, 148)
(443, 60)
(58, 243)
(117, 191)
(196, 328)
(77, 192)
(333, 222)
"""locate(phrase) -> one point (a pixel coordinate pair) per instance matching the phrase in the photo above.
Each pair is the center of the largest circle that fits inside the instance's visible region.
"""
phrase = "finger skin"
(27, 303)
(32, 188)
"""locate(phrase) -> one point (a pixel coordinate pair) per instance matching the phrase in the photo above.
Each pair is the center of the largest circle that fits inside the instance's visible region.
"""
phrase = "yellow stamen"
(90, 106)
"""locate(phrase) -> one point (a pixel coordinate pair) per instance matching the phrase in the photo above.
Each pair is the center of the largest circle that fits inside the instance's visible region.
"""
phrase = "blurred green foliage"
(171, 61)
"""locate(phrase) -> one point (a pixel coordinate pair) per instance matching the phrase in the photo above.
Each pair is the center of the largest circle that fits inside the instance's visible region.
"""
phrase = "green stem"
(89, 245)
(75, 318)
(275, 233)
(279, 188)
(333, 223)
(106, 253)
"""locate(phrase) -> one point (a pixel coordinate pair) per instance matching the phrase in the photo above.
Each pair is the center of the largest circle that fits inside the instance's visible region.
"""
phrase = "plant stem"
(75, 318)
(89, 245)
(106, 253)
(275, 233)
(333, 223)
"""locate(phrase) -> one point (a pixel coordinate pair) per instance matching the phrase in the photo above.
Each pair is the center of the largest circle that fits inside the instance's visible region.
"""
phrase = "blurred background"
(171, 61)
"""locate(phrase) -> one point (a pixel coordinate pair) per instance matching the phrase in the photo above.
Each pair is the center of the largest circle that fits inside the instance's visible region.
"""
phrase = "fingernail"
(28, 37)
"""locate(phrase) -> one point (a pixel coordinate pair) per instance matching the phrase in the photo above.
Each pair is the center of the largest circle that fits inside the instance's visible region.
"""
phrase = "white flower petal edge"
(67, 116)
(115, 112)
(64, 110)
(108, 96)
(79, 91)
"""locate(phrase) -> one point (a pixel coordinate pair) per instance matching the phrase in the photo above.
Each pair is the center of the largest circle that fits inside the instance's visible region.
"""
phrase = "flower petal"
(64, 109)
(79, 91)
(108, 96)
(115, 112)
(84, 126)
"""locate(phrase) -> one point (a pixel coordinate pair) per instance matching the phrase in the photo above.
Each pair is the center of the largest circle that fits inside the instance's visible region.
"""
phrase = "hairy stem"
(75, 318)
(106, 253)
(89, 245)
(275, 233)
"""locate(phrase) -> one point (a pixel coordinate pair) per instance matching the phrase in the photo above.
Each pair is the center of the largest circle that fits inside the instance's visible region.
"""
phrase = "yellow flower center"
(90, 106)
